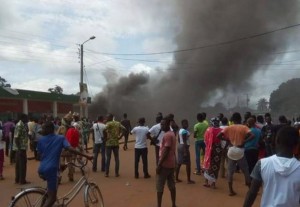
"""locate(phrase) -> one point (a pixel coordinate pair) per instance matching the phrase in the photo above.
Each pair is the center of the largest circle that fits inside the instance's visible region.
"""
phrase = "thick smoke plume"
(213, 73)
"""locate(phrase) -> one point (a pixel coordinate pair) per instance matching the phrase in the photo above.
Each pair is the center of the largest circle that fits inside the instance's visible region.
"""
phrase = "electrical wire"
(203, 46)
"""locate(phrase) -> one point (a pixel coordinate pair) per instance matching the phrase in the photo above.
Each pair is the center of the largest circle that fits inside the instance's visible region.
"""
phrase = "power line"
(204, 46)
(24, 52)
(29, 40)
(198, 64)
(40, 36)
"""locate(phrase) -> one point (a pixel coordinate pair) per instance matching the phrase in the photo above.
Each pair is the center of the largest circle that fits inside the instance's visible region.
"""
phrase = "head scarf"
(215, 122)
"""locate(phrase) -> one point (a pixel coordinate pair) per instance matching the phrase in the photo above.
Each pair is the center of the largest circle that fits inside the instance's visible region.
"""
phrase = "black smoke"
(215, 73)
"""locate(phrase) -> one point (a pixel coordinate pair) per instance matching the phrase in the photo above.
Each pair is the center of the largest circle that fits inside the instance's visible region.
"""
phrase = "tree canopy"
(57, 89)
(286, 99)
(3, 82)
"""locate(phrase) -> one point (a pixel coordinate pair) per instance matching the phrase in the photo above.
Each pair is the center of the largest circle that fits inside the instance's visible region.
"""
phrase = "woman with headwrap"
(213, 152)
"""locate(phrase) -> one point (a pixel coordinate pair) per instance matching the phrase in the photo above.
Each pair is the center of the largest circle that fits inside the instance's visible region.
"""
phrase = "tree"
(286, 99)
(57, 89)
(262, 104)
(3, 82)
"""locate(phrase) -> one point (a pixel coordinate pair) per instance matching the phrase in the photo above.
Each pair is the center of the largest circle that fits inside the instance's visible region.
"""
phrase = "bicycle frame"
(69, 196)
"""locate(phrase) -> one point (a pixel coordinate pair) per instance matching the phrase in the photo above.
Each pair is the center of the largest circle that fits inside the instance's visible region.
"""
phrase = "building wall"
(10, 108)
(63, 108)
(39, 107)
(10, 105)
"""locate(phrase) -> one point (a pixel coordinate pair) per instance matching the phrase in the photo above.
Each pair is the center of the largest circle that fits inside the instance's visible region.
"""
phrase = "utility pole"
(81, 64)
(81, 112)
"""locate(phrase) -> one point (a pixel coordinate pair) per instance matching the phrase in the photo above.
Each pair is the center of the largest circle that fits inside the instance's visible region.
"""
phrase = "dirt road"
(130, 192)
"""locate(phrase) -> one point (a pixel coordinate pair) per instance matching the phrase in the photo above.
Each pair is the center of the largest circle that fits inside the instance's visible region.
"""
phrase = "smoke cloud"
(214, 73)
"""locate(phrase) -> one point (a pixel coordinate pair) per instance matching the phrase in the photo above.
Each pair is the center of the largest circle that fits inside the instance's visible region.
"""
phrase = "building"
(35, 103)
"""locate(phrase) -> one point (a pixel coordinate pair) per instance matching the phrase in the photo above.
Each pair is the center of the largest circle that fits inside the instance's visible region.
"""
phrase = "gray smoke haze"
(207, 73)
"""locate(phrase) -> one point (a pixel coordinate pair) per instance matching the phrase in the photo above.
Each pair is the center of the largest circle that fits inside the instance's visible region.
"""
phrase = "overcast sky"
(39, 44)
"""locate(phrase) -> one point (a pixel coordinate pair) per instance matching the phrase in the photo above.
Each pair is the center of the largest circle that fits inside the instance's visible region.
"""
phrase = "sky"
(40, 40)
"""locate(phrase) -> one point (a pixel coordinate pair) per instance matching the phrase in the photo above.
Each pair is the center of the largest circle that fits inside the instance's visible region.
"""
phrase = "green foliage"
(262, 104)
(57, 89)
(286, 99)
(3, 82)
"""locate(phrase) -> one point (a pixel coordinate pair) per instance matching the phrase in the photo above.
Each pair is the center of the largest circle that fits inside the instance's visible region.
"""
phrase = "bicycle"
(36, 196)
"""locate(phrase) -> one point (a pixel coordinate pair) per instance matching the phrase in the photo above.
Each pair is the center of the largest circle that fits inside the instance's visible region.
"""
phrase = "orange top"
(236, 133)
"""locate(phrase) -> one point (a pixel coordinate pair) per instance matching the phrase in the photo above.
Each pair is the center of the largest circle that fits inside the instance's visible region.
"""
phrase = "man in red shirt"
(166, 164)
(72, 136)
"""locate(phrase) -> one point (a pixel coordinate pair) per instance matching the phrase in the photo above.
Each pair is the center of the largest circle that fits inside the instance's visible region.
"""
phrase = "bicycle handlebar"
(81, 164)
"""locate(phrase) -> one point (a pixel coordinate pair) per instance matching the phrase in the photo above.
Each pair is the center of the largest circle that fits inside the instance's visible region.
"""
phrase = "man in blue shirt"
(49, 148)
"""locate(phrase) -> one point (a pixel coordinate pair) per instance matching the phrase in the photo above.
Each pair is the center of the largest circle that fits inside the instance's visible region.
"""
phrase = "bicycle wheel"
(93, 196)
(34, 197)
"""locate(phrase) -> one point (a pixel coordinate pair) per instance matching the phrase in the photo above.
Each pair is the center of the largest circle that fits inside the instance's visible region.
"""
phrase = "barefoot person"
(213, 153)
(49, 148)
(183, 151)
(166, 164)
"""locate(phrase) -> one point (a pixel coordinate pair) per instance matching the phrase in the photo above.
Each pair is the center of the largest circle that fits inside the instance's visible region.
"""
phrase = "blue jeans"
(99, 148)
(199, 144)
(115, 150)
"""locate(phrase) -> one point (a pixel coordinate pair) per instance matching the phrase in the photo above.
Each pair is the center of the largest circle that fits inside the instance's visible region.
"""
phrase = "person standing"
(166, 164)
(183, 151)
(251, 147)
(8, 128)
(268, 135)
(237, 134)
(141, 149)
(2, 146)
(199, 130)
(36, 134)
(85, 132)
(156, 134)
(279, 174)
(114, 132)
(224, 145)
(213, 153)
(72, 136)
(99, 143)
(126, 123)
(20, 147)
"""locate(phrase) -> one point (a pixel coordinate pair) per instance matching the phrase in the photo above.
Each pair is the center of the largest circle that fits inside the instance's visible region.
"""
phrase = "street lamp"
(81, 71)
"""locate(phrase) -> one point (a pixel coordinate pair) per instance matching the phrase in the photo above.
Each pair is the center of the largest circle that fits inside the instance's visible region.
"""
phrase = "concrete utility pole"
(81, 75)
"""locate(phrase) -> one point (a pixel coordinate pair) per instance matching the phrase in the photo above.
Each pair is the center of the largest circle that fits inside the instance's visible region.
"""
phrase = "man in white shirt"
(279, 174)
(156, 134)
(141, 149)
(99, 143)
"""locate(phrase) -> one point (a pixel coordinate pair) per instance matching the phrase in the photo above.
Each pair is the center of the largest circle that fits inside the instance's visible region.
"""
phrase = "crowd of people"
(266, 153)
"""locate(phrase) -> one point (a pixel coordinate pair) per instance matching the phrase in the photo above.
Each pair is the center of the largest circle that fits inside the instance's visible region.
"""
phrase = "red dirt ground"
(128, 191)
